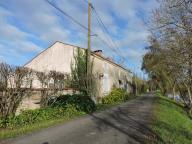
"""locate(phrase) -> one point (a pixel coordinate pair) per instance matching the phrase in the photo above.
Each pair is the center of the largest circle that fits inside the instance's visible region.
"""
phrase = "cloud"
(56, 34)
(27, 27)
(27, 46)
(132, 36)
(12, 37)
(9, 31)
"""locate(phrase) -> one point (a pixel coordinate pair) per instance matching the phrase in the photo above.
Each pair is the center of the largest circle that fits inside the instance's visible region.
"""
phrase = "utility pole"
(88, 46)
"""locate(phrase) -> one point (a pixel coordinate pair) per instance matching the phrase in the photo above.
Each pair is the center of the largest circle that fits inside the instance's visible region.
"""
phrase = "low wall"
(33, 101)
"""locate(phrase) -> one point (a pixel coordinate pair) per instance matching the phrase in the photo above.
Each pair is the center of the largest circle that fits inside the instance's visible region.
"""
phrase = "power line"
(100, 21)
(111, 45)
(67, 15)
(108, 36)
(81, 25)
(107, 32)
(101, 39)
(107, 44)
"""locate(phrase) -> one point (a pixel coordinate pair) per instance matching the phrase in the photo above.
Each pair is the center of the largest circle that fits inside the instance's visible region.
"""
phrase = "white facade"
(60, 56)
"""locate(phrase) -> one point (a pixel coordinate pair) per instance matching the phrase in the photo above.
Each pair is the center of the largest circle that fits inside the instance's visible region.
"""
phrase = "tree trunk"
(189, 93)
(44, 98)
(190, 101)
(190, 111)
(174, 93)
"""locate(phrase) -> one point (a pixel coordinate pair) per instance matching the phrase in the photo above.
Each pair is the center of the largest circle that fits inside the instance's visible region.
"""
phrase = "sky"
(27, 27)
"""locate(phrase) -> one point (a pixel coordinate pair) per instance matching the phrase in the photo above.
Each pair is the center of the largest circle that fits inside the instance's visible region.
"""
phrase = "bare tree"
(169, 59)
(58, 80)
(51, 83)
(15, 83)
(44, 80)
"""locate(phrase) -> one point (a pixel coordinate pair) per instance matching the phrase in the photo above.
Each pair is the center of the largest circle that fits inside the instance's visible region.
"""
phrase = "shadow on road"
(132, 120)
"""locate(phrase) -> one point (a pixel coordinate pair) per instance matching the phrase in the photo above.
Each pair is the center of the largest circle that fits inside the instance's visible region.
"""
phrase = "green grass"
(101, 107)
(36, 126)
(11, 133)
(171, 122)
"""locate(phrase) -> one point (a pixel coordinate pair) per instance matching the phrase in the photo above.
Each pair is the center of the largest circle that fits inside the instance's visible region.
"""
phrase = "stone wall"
(32, 101)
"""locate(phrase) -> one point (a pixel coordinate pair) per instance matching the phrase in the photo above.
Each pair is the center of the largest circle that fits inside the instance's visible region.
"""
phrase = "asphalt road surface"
(124, 124)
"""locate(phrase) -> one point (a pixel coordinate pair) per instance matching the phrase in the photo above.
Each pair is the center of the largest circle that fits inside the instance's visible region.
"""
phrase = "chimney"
(98, 52)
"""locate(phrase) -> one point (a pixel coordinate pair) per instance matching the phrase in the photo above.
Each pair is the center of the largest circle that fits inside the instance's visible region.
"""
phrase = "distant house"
(60, 56)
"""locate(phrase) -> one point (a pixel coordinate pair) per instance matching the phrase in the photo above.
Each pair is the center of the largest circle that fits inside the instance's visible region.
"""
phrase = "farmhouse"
(60, 56)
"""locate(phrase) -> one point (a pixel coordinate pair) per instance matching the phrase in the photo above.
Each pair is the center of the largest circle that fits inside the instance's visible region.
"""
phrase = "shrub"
(117, 95)
(33, 116)
(70, 111)
(158, 93)
(79, 101)
(66, 106)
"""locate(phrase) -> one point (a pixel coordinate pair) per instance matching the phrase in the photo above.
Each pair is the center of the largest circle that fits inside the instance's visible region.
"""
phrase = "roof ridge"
(92, 52)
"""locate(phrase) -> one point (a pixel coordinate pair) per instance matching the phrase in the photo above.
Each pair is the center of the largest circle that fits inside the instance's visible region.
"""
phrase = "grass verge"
(171, 122)
(11, 133)
(36, 126)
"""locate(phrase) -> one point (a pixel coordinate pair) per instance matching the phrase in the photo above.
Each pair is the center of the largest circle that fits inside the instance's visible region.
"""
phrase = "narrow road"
(124, 124)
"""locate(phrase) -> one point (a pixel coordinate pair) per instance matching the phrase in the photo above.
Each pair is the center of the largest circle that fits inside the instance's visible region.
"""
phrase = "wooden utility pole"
(88, 45)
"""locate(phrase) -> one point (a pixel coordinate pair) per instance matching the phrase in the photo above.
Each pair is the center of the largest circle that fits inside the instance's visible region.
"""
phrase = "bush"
(115, 96)
(158, 93)
(66, 106)
(33, 116)
(79, 101)
(70, 111)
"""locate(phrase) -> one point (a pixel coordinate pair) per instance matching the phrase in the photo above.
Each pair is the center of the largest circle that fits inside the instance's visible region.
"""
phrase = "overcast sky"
(29, 26)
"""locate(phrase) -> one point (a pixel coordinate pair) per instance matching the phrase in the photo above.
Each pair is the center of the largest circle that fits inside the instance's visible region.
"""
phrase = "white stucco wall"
(59, 57)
